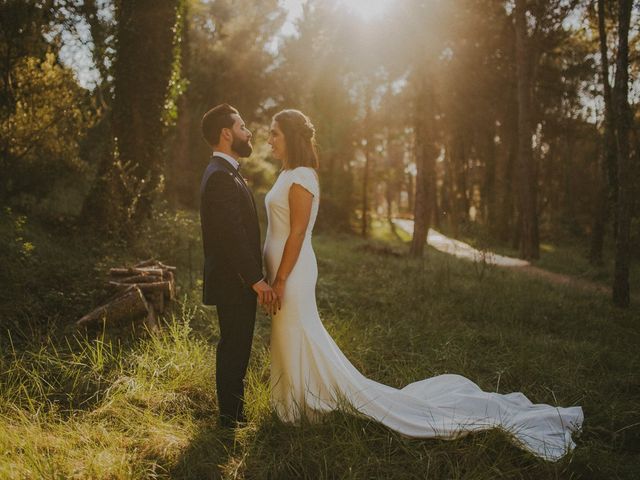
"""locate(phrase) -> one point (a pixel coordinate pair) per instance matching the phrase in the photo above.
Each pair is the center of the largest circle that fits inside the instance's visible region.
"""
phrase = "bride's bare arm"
(300, 201)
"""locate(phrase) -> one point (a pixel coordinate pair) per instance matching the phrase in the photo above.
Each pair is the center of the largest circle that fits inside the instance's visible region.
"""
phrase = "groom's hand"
(266, 295)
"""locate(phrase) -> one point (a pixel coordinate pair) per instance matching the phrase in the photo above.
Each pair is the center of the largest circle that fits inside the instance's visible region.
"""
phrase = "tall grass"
(105, 404)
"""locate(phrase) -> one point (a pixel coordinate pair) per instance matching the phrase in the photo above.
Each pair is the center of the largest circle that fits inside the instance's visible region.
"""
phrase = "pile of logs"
(142, 291)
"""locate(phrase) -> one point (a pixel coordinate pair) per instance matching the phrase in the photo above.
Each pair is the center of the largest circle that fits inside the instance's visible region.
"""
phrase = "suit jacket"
(230, 235)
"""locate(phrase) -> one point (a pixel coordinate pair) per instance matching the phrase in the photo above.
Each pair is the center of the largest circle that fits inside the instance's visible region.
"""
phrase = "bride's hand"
(278, 288)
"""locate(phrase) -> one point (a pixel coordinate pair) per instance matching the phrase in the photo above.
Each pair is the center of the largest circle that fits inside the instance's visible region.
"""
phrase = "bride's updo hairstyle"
(299, 137)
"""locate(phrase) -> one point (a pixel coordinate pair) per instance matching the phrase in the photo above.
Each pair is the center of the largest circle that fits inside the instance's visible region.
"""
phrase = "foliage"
(16, 246)
(177, 81)
(224, 59)
(21, 27)
(40, 138)
(57, 263)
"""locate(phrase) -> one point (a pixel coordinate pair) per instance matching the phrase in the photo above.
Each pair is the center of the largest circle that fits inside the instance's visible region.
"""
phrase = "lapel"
(238, 179)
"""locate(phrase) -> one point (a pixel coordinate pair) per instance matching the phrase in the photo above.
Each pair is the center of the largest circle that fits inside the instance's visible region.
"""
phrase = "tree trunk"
(367, 160)
(609, 189)
(623, 121)
(430, 155)
(179, 184)
(365, 192)
(507, 226)
(489, 186)
(446, 192)
(388, 196)
(420, 220)
(142, 71)
(435, 214)
(529, 247)
(425, 165)
(599, 225)
(459, 170)
(181, 189)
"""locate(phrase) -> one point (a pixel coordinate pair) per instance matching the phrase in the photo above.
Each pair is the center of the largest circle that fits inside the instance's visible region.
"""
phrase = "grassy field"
(108, 404)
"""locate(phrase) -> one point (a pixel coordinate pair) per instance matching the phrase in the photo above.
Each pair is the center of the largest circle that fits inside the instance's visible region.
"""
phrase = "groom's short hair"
(215, 120)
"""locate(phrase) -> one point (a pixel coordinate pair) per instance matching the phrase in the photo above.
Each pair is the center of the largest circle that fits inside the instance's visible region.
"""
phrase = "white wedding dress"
(310, 375)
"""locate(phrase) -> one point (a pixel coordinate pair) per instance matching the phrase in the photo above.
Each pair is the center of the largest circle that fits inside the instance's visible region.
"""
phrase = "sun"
(367, 9)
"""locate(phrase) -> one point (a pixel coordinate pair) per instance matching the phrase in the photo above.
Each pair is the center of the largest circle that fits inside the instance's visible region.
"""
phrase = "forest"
(512, 122)
(510, 125)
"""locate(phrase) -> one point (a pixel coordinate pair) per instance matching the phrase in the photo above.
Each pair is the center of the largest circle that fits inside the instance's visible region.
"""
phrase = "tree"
(529, 242)
(368, 140)
(22, 24)
(608, 190)
(418, 32)
(425, 162)
(40, 138)
(623, 127)
(132, 173)
(142, 69)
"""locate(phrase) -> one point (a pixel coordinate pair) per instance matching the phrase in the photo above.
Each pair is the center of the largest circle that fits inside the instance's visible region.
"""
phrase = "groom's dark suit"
(232, 264)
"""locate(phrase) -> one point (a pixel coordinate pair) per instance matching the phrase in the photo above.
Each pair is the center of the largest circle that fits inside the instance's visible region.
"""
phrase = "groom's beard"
(241, 147)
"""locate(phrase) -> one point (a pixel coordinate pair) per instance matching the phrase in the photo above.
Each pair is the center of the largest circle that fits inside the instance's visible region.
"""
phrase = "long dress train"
(310, 375)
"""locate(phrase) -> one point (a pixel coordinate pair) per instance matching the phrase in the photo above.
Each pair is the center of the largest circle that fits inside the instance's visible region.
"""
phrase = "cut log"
(142, 292)
(172, 285)
(157, 300)
(150, 321)
(154, 263)
(126, 272)
(130, 305)
(171, 268)
(165, 288)
(138, 279)
(146, 263)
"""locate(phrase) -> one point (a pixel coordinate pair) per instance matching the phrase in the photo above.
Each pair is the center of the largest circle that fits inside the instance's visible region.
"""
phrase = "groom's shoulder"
(215, 170)
(216, 165)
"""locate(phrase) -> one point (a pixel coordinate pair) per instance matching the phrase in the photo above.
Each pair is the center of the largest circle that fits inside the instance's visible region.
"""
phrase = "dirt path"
(463, 250)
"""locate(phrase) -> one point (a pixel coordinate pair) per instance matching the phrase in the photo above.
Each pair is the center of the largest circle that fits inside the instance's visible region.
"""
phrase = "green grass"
(107, 404)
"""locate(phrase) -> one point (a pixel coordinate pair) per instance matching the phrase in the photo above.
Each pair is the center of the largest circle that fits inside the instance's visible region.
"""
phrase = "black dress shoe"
(227, 423)
(230, 422)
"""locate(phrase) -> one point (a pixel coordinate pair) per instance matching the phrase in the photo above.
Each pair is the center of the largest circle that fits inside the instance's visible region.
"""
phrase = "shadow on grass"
(209, 453)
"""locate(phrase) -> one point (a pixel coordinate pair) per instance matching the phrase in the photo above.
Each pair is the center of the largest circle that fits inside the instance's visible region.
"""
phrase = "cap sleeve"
(307, 178)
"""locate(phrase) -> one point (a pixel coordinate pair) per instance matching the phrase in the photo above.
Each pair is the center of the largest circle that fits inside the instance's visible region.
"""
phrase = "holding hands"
(265, 293)
(269, 297)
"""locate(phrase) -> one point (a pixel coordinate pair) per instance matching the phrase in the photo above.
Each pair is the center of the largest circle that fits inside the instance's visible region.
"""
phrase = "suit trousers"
(237, 322)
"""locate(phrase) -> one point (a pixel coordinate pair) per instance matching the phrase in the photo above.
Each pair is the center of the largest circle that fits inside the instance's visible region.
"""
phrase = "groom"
(233, 278)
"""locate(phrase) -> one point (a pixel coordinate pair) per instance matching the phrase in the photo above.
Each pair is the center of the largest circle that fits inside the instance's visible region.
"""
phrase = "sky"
(294, 9)
(76, 55)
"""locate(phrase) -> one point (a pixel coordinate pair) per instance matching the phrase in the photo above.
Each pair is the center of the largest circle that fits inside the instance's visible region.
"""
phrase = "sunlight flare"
(367, 9)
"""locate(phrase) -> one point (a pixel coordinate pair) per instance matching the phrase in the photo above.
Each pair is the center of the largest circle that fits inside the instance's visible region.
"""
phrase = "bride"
(309, 373)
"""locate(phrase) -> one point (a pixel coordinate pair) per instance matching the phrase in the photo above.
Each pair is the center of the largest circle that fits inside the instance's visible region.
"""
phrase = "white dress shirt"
(234, 163)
